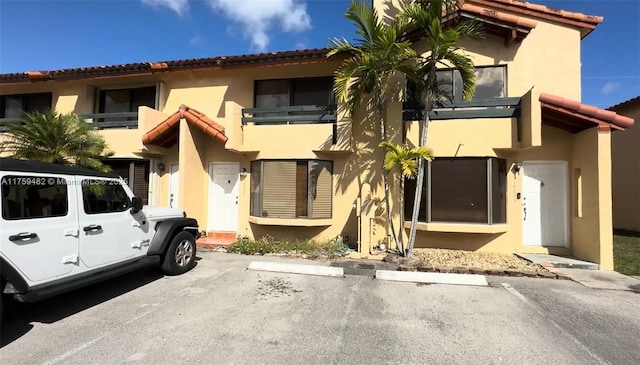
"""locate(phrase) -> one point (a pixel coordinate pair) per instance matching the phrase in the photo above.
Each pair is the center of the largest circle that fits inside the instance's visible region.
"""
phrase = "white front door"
(173, 185)
(544, 204)
(223, 197)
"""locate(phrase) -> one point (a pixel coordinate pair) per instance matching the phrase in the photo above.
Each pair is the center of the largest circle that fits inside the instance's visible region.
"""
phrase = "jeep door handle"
(22, 236)
(93, 227)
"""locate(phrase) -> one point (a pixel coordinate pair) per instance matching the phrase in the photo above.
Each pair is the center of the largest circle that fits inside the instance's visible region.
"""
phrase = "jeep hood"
(160, 213)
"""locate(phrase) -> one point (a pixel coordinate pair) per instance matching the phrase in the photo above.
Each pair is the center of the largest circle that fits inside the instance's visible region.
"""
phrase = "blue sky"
(54, 34)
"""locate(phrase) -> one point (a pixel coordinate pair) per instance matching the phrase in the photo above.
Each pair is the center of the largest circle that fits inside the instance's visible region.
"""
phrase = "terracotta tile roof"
(585, 22)
(574, 116)
(498, 23)
(165, 134)
(625, 103)
(147, 68)
(500, 16)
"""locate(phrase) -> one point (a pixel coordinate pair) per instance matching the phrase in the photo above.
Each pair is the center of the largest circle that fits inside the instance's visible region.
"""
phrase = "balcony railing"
(4, 121)
(302, 114)
(127, 120)
(489, 108)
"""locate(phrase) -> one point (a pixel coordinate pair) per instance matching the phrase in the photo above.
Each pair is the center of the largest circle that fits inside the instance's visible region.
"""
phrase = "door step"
(216, 239)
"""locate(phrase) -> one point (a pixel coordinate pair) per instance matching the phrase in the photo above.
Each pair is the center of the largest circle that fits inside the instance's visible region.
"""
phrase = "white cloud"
(257, 17)
(610, 87)
(196, 40)
(301, 45)
(180, 7)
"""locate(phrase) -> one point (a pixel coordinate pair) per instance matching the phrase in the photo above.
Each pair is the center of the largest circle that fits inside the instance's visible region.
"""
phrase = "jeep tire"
(181, 254)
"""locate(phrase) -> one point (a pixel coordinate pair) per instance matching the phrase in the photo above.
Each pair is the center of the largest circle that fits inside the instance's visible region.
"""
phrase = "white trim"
(567, 201)
(169, 190)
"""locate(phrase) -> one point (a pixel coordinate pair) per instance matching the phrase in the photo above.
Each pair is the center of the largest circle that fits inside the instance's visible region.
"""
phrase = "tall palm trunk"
(401, 236)
(417, 198)
(383, 136)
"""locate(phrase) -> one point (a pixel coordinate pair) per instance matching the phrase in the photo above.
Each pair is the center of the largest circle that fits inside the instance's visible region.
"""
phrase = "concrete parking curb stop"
(432, 277)
(386, 275)
(296, 268)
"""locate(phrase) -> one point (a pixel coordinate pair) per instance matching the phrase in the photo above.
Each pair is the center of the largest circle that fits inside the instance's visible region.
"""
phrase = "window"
(462, 190)
(316, 91)
(13, 106)
(135, 173)
(104, 196)
(491, 82)
(27, 197)
(126, 100)
(291, 189)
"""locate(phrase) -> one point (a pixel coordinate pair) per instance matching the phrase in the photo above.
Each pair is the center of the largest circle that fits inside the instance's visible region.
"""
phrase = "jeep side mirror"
(136, 204)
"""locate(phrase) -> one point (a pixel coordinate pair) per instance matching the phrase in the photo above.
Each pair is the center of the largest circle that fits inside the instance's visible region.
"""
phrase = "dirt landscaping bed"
(470, 262)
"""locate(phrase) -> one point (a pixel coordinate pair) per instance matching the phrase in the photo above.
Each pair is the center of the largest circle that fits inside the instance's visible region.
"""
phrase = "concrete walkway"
(558, 261)
(601, 279)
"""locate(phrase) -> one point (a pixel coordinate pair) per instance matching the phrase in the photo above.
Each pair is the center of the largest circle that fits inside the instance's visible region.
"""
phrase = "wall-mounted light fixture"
(243, 172)
(161, 167)
(517, 166)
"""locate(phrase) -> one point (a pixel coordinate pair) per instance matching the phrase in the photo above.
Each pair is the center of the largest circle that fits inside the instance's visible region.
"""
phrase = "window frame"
(291, 89)
(409, 98)
(25, 101)
(489, 191)
(102, 93)
(260, 185)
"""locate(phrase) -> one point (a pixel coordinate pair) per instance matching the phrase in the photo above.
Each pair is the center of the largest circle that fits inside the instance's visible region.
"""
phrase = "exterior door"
(39, 224)
(109, 233)
(173, 185)
(544, 204)
(223, 197)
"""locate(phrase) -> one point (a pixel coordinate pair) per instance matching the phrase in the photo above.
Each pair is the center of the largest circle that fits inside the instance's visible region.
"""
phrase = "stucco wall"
(626, 171)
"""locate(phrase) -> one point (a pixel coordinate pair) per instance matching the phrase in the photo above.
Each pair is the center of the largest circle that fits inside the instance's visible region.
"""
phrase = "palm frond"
(57, 138)
(403, 159)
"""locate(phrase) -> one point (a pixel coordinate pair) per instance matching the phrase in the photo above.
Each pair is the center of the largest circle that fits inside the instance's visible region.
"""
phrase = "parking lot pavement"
(221, 313)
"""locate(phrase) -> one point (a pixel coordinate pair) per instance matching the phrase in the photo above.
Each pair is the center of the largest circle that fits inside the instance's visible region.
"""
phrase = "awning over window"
(165, 134)
(573, 116)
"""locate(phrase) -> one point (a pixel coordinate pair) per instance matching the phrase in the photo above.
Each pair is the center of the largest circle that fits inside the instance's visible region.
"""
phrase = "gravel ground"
(482, 260)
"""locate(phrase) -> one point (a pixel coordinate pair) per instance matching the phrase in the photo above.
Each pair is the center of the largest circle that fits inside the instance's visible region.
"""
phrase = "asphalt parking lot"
(221, 313)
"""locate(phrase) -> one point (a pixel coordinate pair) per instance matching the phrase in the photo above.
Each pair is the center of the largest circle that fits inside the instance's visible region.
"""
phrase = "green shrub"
(268, 244)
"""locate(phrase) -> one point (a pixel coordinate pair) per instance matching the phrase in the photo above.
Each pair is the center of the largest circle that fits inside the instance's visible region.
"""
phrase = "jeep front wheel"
(181, 254)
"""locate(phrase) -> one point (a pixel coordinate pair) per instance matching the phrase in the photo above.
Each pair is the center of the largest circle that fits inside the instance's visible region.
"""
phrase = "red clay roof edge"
(194, 117)
(571, 106)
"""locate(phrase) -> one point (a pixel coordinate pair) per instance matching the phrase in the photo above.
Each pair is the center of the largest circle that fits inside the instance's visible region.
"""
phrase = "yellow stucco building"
(251, 145)
(625, 157)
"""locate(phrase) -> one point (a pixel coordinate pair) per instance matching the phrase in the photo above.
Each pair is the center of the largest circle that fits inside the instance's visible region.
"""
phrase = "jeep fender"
(165, 231)
(11, 275)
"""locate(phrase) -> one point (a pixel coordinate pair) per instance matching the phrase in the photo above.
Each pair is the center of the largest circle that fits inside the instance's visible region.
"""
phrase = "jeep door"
(39, 224)
(109, 233)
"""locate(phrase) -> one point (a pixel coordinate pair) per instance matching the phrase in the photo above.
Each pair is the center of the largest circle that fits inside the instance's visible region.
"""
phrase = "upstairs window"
(316, 91)
(491, 82)
(13, 106)
(126, 100)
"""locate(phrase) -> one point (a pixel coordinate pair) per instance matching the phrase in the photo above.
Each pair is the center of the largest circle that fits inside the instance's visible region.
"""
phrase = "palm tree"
(428, 16)
(64, 139)
(405, 161)
(370, 70)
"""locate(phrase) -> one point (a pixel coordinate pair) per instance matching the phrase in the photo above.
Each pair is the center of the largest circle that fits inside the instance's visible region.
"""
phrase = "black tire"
(1, 303)
(181, 254)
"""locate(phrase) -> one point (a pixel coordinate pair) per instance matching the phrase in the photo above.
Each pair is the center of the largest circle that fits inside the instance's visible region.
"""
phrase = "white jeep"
(64, 227)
